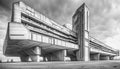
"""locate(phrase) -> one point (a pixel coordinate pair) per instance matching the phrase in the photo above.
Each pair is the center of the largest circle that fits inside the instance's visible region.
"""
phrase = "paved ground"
(115, 64)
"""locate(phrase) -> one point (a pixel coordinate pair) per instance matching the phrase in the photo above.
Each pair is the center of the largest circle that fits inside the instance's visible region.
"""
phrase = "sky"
(104, 16)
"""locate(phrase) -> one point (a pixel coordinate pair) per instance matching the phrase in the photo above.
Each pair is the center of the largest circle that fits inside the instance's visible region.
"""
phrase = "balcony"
(46, 28)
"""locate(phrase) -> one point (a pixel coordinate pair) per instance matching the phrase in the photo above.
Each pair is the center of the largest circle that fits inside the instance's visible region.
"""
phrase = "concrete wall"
(80, 26)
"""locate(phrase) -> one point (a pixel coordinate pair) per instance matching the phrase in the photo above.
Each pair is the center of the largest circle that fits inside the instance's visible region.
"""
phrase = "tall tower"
(80, 25)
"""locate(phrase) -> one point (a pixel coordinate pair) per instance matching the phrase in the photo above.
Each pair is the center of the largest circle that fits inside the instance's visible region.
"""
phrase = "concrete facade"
(81, 27)
(33, 35)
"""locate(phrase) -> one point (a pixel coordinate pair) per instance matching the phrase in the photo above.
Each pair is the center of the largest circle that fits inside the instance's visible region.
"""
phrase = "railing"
(101, 43)
(102, 52)
(41, 26)
(29, 21)
(99, 47)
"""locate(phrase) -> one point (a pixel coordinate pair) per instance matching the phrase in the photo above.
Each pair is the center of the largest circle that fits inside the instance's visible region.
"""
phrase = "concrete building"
(33, 35)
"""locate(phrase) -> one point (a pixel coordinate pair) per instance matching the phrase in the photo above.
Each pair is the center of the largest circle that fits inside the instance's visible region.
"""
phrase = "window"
(39, 37)
(49, 40)
(56, 42)
(52, 40)
(87, 20)
(34, 37)
(59, 42)
(45, 39)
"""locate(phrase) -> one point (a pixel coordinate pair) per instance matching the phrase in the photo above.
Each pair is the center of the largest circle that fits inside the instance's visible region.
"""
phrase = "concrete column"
(45, 58)
(36, 56)
(24, 58)
(86, 54)
(83, 54)
(95, 56)
(57, 55)
(60, 55)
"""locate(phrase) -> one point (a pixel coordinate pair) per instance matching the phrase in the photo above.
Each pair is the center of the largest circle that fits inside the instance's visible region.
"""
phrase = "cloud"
(60, 11)
(5, 4)
(113, 41)
(104, 21)
(4, 19)
(3, 26)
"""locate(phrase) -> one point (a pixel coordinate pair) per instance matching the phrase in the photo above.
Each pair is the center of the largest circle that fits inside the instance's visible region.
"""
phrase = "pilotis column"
(36, 56)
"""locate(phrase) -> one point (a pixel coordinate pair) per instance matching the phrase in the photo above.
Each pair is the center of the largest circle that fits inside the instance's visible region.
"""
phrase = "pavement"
(109, 64)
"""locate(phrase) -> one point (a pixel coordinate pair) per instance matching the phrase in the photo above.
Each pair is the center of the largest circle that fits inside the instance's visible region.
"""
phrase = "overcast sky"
(104, 16)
